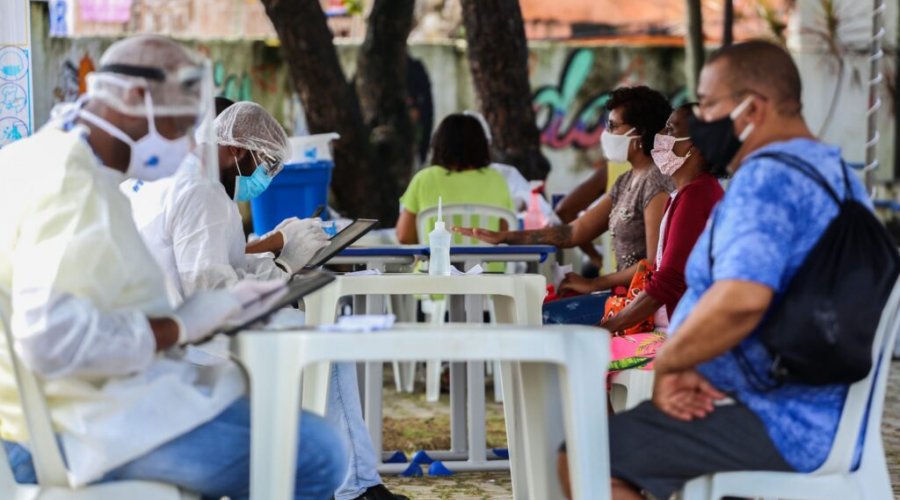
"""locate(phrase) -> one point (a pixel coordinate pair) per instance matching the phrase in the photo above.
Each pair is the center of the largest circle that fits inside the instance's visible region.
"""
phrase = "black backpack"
(820, 331)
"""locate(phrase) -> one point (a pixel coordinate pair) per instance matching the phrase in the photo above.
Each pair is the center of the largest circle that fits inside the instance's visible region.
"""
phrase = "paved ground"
(412, 424)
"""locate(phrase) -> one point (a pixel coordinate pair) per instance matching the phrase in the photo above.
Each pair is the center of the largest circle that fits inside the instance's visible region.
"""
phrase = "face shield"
(205, 136)
(173, 102)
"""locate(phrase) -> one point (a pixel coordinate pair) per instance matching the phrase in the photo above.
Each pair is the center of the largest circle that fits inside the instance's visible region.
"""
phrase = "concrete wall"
(835, 78)
(569, 80)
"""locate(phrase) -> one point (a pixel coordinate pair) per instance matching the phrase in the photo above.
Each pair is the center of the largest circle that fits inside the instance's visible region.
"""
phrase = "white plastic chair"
(835, 479)
(463, 215)
(53, 482)
(630, 388)
(547, 369)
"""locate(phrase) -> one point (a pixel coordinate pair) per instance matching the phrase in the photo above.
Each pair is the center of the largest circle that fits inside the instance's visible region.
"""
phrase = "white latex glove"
(256, 297)
(249, 291)
(202, 313)
(302, 239)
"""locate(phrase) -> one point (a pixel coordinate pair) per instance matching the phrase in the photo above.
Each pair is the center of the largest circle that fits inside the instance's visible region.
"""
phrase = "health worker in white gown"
(193, 228)
(88, 308)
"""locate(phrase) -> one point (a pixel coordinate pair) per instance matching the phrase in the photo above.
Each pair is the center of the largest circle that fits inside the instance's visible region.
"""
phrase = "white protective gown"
(195, 232)
(80, 284)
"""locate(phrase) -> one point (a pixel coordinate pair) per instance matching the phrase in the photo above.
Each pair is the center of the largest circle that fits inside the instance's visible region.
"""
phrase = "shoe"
(379, 492)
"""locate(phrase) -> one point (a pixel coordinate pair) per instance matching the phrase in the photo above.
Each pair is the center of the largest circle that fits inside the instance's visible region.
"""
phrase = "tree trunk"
(498, 58)
(331, 105)
(728, 23)
(381, 87)
(694, 45)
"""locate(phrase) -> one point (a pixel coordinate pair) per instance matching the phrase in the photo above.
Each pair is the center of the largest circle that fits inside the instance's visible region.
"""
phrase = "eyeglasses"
(611, 126)
(268, 163)
(710, 102)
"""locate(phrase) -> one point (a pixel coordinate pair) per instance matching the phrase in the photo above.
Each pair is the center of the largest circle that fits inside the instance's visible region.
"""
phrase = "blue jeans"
(214, 459)
(580, 310)
(344, 412)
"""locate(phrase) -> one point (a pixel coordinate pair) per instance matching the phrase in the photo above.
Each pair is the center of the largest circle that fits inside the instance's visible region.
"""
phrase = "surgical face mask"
(615, 146)
(247, 187)
(716, 139)
(663, 155)
(152, 156)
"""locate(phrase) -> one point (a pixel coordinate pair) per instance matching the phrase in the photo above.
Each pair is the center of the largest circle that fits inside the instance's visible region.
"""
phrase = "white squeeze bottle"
(439, 246)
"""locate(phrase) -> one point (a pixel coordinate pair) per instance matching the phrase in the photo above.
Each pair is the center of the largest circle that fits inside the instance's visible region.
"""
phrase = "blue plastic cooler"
(298, 189)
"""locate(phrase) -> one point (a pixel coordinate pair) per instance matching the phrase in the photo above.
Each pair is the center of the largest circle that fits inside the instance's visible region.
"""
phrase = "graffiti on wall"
(260, 76)
(565, 125)
(566, 119)
(240, 71)
(72, 80)
(235, 86)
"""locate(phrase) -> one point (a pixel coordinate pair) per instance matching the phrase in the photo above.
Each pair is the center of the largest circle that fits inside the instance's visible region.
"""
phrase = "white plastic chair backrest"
(463, 215)
(45, 452)
(867, 394)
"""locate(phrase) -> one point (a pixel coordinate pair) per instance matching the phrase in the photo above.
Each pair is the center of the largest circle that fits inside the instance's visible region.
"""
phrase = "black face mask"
(715, 140)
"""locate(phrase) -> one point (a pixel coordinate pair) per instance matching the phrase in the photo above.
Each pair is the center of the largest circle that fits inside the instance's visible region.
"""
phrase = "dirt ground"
(412, 424)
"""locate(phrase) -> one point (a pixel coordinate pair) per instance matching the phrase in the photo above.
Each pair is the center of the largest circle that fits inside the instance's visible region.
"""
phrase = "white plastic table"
(467, 433)
(378, 257)
(539, 366)
(518, 301)
(468, 378)
(475, 254)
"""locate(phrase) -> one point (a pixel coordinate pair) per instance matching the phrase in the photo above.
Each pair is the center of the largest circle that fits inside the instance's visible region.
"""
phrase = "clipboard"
(356, 230)
(302, 284)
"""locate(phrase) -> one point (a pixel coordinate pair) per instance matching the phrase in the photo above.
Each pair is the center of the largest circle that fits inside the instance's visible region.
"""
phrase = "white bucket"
(311, 148)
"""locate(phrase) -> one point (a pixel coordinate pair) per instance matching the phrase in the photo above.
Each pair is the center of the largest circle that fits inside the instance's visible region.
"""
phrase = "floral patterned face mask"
(664, 156)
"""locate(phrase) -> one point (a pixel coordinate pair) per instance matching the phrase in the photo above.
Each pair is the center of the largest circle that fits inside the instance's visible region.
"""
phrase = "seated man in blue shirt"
(708, 412)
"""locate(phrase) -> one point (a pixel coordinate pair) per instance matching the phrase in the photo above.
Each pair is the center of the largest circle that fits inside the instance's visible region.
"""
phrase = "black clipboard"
(356, 230)
(302, 284)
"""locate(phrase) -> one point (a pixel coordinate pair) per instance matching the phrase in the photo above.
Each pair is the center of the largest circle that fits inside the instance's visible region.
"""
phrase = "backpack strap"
(800, 165)
(804, 167)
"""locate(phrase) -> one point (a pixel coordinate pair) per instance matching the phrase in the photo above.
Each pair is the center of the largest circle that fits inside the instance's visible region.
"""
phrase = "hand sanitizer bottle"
(439, 246)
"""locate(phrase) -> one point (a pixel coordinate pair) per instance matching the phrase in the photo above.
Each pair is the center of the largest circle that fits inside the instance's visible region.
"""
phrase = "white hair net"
(249, 126)
(169, 72)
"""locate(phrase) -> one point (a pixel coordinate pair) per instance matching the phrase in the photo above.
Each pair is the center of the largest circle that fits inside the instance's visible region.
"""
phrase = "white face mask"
(738, 111)
(615, 146)
(152, 156)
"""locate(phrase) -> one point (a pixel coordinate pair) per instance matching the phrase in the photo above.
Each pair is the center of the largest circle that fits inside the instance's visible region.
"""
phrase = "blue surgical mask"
(248, 187)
